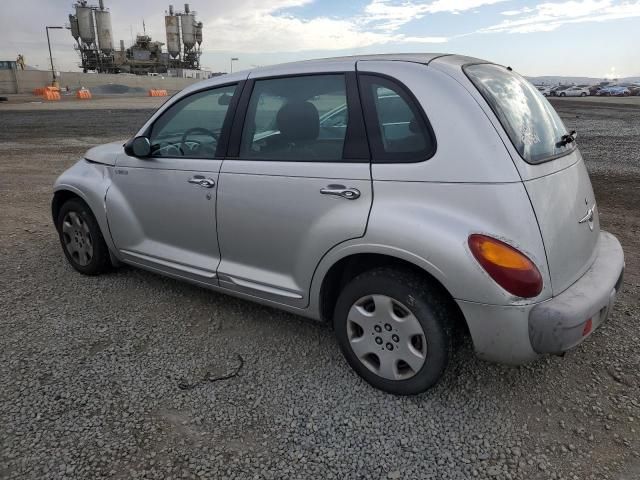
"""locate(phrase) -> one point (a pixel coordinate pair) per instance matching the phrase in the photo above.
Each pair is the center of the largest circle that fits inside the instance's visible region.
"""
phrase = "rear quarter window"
(532, 124)
(398, 129)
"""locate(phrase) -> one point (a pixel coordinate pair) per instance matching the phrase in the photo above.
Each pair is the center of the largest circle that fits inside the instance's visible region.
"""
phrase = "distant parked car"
(574, 92)
(544, 90)
(593, 90)
(634, 89)
(614, 91)
(556, 91)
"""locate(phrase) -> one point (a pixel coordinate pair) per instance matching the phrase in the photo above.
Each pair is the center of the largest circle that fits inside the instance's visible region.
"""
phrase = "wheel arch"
(351, 264)
(60, 197)
(88, 181)
(64, 193)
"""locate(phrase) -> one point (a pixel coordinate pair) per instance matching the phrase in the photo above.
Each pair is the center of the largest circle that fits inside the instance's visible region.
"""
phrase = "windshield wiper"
(567, 139)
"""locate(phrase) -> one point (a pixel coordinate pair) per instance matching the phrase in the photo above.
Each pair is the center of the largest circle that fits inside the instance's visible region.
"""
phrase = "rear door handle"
(202, 181)
(341, 191)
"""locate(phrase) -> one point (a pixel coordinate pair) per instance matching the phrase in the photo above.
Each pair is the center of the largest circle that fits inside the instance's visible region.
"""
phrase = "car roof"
(336, 64)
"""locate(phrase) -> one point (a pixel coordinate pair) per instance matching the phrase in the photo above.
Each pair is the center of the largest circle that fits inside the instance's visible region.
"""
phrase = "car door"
(161, 209)
(295, 184)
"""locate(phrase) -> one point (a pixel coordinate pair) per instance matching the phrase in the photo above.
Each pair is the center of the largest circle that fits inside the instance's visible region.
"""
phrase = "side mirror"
(138, 147)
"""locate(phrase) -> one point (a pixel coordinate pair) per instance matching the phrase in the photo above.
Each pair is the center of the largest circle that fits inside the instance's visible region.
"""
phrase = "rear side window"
(397, 128)
(296, 119)
(532, 124)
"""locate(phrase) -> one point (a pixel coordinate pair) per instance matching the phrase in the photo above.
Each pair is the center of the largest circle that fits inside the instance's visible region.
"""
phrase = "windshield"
(534, 127)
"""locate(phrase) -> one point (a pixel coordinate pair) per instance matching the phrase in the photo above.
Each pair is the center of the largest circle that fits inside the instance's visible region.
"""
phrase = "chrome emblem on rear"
(589, 217)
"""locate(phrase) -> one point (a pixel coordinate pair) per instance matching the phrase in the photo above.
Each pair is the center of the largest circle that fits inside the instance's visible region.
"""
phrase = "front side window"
(399, 132)
(192, 126)
(532, 124)
(296, 119)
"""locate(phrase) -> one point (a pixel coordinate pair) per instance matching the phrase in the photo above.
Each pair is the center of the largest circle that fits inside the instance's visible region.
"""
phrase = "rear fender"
(428, 225)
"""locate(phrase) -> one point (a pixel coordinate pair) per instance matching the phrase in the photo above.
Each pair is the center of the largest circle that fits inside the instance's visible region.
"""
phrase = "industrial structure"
(183, 25)
(91, 28)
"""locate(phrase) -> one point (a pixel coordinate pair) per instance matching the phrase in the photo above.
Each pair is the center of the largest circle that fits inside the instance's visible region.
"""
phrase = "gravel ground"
(92, 368)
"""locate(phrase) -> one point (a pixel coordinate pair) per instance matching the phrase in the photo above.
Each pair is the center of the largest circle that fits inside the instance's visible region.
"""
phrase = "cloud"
(546, 17)
(510, 13)
(256, 26)
(389, 15)
(259, 27)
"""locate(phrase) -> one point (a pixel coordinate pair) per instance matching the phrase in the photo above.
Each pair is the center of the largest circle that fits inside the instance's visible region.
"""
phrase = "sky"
(597, 38)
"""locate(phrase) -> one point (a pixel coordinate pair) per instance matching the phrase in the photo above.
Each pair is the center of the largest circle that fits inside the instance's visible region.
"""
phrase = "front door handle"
(202, 181)
(341, 191)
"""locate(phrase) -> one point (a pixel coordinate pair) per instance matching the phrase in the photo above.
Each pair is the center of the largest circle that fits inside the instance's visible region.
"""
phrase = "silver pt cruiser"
(402, 199)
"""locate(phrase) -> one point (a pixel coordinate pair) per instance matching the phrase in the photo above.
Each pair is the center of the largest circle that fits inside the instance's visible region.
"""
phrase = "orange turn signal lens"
(510, 268)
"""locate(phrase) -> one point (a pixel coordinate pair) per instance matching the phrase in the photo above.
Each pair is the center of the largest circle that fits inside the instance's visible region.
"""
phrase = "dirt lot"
(90, 368)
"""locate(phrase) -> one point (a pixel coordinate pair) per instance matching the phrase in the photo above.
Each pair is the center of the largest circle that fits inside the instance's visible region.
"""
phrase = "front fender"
(90, 182)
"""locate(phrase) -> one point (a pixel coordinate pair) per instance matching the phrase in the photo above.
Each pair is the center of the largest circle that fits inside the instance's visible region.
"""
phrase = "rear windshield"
(531, 122)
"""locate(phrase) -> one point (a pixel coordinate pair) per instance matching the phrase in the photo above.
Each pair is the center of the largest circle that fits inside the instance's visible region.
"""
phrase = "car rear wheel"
(81, 238)
(583, 94)
(394, 331)
(562, 94)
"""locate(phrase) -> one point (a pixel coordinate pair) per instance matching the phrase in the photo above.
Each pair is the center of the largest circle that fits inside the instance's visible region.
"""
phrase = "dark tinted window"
(191, 127)
(399, 132)
(534, 127)
(296, 119)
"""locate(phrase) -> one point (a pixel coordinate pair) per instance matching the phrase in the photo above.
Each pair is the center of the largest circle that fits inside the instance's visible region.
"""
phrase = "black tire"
(426, 302)
(583, 94)
(99, 261)
(563, 94)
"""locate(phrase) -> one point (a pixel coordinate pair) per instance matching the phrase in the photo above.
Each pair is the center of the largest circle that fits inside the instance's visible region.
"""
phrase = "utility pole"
(233, 59)
(53, 72)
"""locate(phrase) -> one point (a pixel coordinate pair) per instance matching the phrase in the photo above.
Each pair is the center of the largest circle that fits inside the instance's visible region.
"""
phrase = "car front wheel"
(394, 330)
(81, 238)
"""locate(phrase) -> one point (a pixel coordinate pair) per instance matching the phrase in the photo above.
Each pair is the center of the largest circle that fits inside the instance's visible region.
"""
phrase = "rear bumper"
(567, 319)
(516, 334)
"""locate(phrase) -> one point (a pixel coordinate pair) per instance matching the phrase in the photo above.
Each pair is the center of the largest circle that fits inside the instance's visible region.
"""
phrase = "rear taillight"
(511, 269)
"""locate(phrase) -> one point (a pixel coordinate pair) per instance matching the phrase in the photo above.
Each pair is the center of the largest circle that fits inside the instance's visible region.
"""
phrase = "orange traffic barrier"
(154, 92)
(51, 95)
(83, 94)
(40, 92)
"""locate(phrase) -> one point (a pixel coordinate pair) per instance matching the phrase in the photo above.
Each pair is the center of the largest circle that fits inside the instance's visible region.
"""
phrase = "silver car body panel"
(89, 180)
(500, 332)
(278, 236)
(434, 221)
(561, 200)
(560, 192)
(518, 334)
(564, 321)
(158, 219)
(105, 154)
(275, 225)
